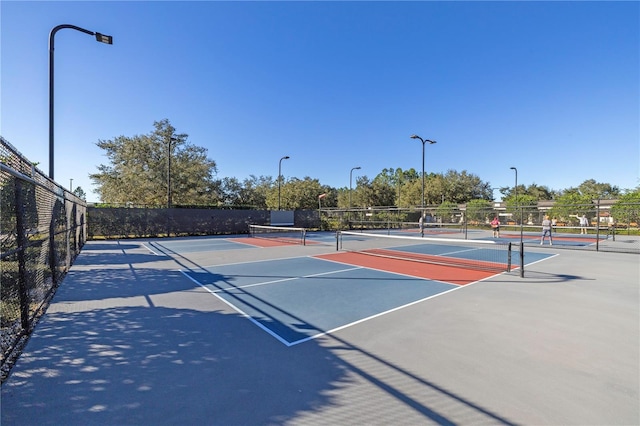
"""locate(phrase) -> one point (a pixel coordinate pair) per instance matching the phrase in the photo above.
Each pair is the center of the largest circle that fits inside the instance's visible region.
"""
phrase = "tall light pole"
(169, 151)
(350, 176)
(286, 157)
(515, 191)
(422, 205)
(100, 38)
(521, 231)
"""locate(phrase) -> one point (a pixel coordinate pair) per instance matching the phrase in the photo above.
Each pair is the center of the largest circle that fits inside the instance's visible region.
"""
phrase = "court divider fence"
(612, 225)
(42, 230)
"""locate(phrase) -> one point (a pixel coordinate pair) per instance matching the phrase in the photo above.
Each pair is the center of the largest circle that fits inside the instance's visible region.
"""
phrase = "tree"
(597, 190)
(536, 192)
(296, 194)
(478, 211)
(139, 169)
(79, 192)
(627, 209)
(447, 211)
(571, 204)
(255, 191)
(520, 206)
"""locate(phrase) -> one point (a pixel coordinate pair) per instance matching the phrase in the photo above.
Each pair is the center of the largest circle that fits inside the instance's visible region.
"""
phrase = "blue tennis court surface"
(195, 245)
(297, 299)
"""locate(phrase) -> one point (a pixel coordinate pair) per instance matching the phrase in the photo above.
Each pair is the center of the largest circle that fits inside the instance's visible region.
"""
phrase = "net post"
(337, 239)
(509, 258)
(521, 259)
(304, 237)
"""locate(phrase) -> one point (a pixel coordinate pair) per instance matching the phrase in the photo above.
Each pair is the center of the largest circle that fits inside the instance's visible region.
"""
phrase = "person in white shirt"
(546, 230)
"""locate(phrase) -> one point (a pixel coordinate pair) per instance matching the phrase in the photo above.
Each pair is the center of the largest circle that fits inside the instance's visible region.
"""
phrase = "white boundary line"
(249, 317)
(286, 279)
(342, 327)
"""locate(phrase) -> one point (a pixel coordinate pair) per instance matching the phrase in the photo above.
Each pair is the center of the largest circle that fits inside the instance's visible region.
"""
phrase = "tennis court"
(224, 330)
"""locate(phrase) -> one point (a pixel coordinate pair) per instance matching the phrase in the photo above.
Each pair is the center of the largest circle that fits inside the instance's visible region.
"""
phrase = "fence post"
(22, 246)
(598, 225)
(52, 245)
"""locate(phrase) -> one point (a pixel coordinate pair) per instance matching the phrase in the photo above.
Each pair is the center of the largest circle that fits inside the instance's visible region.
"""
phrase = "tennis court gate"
(42, 230)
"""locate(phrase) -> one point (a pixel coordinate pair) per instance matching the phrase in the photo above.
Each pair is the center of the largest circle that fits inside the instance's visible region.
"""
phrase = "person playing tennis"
(495, 225)
(546, 230)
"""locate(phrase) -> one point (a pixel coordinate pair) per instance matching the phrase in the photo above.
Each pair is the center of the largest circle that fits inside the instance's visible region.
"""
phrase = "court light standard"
(422, 205)
(169, 151)
(515, 189)
(100, 38)
(350, 176)
(286, 157)
(521, 231)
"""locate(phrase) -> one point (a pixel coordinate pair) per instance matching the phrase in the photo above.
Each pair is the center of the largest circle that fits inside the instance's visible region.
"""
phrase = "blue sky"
(551, 88)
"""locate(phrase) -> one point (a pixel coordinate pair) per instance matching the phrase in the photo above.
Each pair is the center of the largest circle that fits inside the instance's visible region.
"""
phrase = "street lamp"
(521, 230)
(422, 205)
(515, 190)
(102, 38)
(171, 139)
(286, 157)
(350, 176)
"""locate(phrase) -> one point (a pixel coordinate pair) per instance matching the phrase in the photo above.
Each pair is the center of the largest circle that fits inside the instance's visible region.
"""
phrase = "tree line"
(163, 166)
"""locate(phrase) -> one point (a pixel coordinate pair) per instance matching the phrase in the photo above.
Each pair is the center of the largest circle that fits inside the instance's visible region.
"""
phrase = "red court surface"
(449, 274)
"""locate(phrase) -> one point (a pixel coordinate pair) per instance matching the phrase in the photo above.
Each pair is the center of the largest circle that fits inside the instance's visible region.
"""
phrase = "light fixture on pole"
(102, 38)
(286, 157)
(350, 177)
(515, 191)
(169, 151)
(424, 141)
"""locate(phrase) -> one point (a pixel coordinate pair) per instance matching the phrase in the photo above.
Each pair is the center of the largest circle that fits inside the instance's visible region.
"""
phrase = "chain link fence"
(610, 225)
(42, 230)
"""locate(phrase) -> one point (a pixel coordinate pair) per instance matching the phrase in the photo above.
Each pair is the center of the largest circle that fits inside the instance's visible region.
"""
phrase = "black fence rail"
(42, 230)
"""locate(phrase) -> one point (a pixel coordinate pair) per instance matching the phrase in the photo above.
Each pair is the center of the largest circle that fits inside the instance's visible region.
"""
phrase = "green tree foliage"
(296, 194)
(139, 166)
(447, 211)
(478, 211)
(536, 192)
(518, 206)
(596, 190)
(461, 187)
(251, 193)
(625, 211)
(79, 192)
(571, 204)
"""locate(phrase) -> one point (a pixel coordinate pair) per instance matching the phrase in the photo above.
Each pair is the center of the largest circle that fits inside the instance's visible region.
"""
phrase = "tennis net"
(285, 234)
(470, 254)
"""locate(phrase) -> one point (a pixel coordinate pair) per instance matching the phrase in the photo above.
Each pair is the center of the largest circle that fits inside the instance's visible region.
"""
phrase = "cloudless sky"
(551, 88)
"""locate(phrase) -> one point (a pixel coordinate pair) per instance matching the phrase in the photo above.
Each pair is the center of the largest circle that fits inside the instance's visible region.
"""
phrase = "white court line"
(342, 327)
(257, 261)
(235, 308)
(284, 279)
(153, 251)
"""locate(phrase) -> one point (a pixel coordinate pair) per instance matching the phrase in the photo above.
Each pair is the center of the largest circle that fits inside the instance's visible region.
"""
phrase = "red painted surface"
(449, 274)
